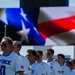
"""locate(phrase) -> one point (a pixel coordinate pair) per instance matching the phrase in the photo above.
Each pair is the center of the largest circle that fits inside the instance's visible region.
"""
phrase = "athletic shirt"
(65, 70)
(55, 67)
(10, 64)
(26, 65)
(73, 69)
(46, 68)
(72, 72)
(36, 69)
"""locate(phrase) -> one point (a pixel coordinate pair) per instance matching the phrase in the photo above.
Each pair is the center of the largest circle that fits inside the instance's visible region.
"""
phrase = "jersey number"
(2, 70)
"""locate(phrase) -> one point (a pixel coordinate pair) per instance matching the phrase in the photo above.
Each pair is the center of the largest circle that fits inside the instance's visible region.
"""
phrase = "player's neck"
(6, 52)
(39, 61)
(49, 60)
(32, 62)
(61, 64)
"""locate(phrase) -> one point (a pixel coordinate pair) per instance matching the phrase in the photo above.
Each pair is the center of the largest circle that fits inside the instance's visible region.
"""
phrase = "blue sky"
(9, 3)
(16, 3)
(66, 50)
(72, 2)
(24, 49)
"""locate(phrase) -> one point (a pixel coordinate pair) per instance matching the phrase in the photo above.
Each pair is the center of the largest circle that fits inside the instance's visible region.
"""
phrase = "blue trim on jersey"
(7, 54)
(18, 53)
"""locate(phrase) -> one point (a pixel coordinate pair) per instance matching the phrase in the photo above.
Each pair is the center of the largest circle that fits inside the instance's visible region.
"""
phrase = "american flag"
(20, 25)
(57, 25)
(40, 26)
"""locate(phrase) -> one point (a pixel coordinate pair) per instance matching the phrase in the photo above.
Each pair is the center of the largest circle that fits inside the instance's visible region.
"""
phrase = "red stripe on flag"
(57, 26)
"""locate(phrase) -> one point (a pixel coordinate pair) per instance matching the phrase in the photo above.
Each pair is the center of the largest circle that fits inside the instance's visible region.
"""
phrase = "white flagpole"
(5, 30)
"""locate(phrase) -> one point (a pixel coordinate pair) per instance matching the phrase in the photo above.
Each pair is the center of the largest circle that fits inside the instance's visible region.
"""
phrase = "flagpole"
(5, 28)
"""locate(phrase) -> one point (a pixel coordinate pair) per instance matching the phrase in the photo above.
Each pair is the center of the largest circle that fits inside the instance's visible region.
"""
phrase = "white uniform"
(46, 68)
(55, 67)
(73, 69)
(72, 72)
(36, 69)
(26, 65)
(65, 70)
(10, 64)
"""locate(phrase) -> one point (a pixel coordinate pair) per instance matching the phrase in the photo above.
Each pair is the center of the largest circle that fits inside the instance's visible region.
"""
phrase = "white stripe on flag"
(3, 16)
(62, 38)
(57, 25)
(53, 13)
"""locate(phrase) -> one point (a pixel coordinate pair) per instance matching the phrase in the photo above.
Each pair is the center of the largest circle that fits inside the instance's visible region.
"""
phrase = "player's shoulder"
(34, 65)
(73, 69)
(24, 58)
(55, 63)
(65, 67)
(44, 63)
(14, 55)
(72, 72)
(38, 66)
(21, 56)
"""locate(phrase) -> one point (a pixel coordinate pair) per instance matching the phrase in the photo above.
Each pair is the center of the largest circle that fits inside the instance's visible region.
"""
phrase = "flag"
(57, 25)
(44, 26)
(19, 24)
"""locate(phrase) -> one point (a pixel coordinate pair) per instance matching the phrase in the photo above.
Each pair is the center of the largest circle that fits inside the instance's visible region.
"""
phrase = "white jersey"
(26, 65)
(65, 70)
(72, 72)
(36, 69)
(47, 69)
(10, 64)
(73, 69)
(55, 67)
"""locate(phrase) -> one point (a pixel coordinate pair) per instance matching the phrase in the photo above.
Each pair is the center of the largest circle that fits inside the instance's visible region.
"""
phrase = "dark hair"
(51, 50)
(62, 56)
(69, 63)
(40, 52)
(33, 52)
(73, 61)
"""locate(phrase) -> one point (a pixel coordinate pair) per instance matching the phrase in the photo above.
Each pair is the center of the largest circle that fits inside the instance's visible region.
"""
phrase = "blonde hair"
(18, 43)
